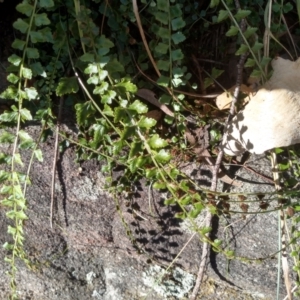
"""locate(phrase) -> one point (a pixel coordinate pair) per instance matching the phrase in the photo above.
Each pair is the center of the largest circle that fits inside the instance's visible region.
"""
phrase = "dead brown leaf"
(224, 100)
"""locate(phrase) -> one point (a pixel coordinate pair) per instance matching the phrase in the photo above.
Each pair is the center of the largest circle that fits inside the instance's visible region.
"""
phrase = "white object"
(272, 117)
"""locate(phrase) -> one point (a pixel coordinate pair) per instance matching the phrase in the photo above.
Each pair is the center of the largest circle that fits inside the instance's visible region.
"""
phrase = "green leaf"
(136, 163)
(25, 114)
(185, 200)
(287, 7)
(257, 46)
(139, 107)
(249, 31)
(11, 92)
(11, 230)
(36, 37)
(214, 3)
(25, 8)
(229, 254)
(15, 60)
(67, 85)
(177, 82)
(31, 93)
(83, 111)
(241, 14)
(256, 74)
(181, 215)
(6, 189)
(284, 166)
(170, 201)
(242, 50)
(8, 117)
(102, 60)
(162, 48)
(27, 73)
(177, 23)
(17, 159)
(129, 131)
(177, 55)
(163, 65)
(102, 74)
(102, 51)
(179, 72)
(87, 57)
(178, 37)
(101, 89)
(207, 82)
(250, 63)
(32, 52)
(163, 5)
(163, 81)
(41, 19)
(21, 215)
(120, 113)
(108, 97)
(13, 78)
(206, 230)
(165, 99)
(136, 147)
(162, 17)
(38, 69)
(8, 246)
(18, 44)
(159, 185)
(184, 186)
(5, 158)
(215, 73)
(162, 156)
(276, 7)
(146, 122)
(103, 42)
(21, 25)
(93, 80)
(99, 76)
(46, 3)
(163, 33)
(99, 132)
(91, 69)
(217, 243)
(232, 31)
(26, 145)
(24, 136)
(117, 147)
(175, 11)
(38, 154)
(194, 213)
(108, 111)
(174, 173)
(114, 66)
(47, 34)
(265, 60)
(152, 173)
(128, 86)
(156, 142)
(223, 15)
(3, 177)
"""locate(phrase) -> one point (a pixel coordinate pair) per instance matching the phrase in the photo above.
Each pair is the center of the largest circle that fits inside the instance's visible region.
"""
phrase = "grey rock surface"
(88, 255)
